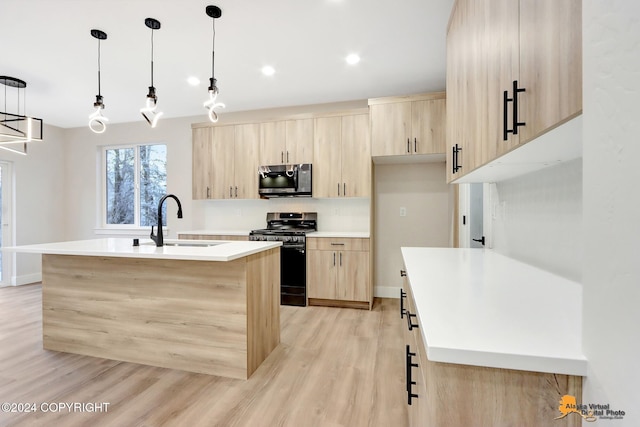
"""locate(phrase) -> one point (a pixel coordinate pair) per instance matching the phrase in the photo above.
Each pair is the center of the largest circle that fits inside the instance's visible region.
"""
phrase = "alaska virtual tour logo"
(589, 412)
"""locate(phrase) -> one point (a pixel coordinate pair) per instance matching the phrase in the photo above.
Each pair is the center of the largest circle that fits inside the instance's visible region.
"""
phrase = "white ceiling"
(48, 44)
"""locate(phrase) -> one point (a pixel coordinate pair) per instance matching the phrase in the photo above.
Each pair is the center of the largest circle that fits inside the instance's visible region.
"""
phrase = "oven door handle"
(297, 247)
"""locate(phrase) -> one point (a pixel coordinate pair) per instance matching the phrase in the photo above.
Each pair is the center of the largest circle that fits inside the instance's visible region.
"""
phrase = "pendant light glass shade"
(149, 111)
(97, 121)
(211, 104)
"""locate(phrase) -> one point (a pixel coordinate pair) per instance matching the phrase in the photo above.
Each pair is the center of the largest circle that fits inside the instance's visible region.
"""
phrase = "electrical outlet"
(403, 211)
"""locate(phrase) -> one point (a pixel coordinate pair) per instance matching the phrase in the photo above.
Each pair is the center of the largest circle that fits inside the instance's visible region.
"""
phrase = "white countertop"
(347, 234)
(477, 307)
(123, 247)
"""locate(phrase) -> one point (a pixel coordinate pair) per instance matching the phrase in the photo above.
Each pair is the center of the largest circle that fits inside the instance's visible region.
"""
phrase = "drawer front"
(337, 244)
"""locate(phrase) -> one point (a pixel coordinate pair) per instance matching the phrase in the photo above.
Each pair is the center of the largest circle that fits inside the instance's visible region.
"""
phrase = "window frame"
(135, 228)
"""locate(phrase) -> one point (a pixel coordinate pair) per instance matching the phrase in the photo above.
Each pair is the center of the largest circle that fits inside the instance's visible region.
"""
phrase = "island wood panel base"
(339, 303)
(217, 318)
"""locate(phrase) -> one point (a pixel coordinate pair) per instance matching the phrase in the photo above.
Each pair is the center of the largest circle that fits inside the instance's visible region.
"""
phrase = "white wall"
(537, 218)
(39, 200)
(422, 190)
(351, 214)
(611, 315)
(83, 151)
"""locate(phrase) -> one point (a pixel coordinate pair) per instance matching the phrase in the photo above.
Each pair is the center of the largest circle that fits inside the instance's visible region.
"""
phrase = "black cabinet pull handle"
(410, 324)
(415, 145)
(236, 191)
(455, 157)
(505, 130)
(282, 156)
(230, 192)
(287, 156)
(340, 259)
(208, 193)
(334, 259)
(410, 382)
(338, 189)
(403, 295)
(516, 91)
(403, 273)
(344, 188)
(408, 145)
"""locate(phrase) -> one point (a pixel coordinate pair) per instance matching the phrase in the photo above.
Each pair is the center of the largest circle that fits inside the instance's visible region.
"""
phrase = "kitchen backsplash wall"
(350, 214)
(537, 218)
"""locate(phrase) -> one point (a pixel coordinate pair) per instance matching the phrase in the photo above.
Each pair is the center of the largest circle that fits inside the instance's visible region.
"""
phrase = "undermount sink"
(186, 243)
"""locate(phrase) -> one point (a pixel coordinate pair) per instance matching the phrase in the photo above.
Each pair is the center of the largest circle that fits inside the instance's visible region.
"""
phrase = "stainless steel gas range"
(290, 228)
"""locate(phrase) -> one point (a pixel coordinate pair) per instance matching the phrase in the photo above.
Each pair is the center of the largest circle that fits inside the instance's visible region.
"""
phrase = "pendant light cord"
(99, 93)
(213, 49)
(152, 57)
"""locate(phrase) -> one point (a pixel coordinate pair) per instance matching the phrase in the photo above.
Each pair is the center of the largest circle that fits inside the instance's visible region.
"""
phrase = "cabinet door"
(550, 64)
(353, 276)
(457, 51)
(321, 274)
(272, 143)
(356, 156)
(500, 35)
(246, 161)
(327, 167)
(299, 141)
(428, 126)
(201, 163)
(390, 129)
(222, 161)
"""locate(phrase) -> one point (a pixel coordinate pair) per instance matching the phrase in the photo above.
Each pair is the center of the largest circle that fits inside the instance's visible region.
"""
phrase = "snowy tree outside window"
(136, 179)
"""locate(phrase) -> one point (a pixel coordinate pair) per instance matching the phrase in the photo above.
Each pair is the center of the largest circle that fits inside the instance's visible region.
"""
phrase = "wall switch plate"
(403, 211)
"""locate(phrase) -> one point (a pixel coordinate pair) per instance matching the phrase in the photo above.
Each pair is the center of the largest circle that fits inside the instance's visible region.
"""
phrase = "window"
(135, 178)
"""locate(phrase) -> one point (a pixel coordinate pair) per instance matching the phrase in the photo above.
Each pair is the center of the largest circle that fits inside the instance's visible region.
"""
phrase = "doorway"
(474, 217)
(6, 203)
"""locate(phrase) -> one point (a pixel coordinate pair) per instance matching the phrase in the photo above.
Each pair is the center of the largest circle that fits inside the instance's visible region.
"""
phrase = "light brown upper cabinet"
(408, 125)
(514, 72)
(342, 156)
(286, 142)
(201, 163)
(225, 162)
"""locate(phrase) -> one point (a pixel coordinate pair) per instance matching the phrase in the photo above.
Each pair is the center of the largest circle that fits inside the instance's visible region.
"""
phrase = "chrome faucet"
(159, 239)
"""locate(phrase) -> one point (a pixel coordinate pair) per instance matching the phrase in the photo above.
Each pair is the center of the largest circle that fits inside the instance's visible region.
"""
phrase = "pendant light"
(214, 12)
(97, 122)
(149, 110)
(17, 128)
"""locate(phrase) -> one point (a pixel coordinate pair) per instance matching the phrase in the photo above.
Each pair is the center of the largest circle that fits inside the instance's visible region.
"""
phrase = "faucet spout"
(159, 238)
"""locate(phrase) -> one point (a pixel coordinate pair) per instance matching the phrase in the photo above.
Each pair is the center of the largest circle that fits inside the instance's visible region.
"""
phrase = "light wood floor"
(334, 367)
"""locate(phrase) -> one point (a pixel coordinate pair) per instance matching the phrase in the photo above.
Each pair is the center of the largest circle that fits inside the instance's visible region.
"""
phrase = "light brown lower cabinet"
(448, 394)
(338, 272)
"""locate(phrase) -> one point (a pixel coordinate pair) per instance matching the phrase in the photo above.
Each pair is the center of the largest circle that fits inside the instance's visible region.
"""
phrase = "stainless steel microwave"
(285, 181)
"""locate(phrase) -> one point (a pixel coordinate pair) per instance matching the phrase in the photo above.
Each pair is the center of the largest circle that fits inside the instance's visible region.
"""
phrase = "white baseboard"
(26, 279)
(386, 292)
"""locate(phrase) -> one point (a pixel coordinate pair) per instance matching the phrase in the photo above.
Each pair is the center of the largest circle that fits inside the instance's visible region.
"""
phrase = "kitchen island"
(211, 307)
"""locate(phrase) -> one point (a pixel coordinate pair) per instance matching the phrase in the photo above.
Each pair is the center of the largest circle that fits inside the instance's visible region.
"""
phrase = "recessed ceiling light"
(193, 81)
(268, 70)
(353, 59)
